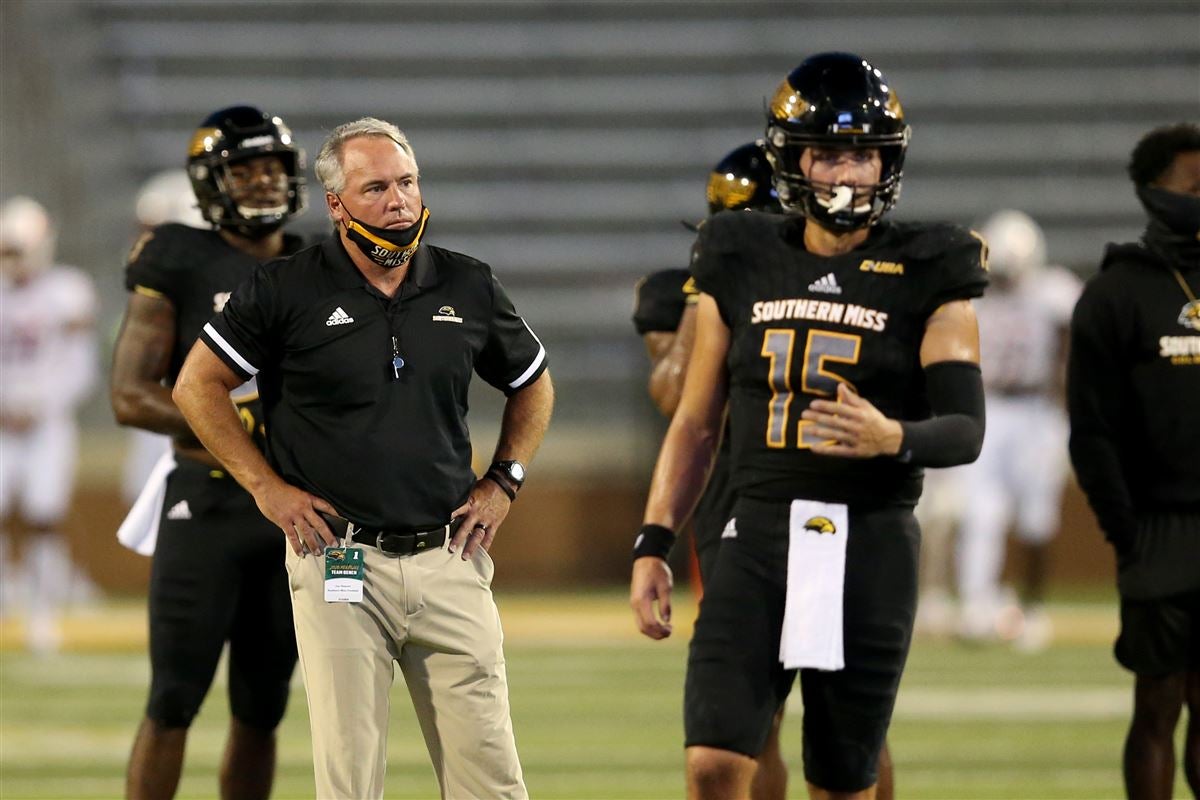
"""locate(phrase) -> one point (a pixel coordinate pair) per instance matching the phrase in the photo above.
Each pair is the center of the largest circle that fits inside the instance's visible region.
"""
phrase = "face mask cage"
(213, 185)
(836, 208)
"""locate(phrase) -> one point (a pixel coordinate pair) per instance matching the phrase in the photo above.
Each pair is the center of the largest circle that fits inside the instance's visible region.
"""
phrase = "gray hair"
(329, 158)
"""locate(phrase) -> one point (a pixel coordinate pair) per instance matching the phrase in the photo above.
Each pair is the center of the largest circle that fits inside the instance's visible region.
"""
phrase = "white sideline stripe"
(229, 351)
(1050, 703)
(537, 361)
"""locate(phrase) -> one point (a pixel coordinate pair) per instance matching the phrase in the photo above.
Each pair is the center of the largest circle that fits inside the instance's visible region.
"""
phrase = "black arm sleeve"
(1096, 393)
(954, 434)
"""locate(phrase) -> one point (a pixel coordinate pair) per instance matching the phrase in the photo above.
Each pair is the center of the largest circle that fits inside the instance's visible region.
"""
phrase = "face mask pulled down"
(387, 247)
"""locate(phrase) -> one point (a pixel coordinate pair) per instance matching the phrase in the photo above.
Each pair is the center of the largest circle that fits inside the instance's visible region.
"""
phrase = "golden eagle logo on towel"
(820, 525)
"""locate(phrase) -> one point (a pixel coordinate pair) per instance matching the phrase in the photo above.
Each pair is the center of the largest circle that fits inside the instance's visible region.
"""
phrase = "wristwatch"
(513, 471)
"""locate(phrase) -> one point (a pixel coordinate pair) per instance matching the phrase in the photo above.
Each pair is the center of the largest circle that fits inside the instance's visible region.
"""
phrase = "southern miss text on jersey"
(196, 270)
(800, 323)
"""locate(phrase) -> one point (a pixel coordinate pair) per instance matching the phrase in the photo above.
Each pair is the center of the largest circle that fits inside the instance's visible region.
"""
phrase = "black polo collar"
(422, 270)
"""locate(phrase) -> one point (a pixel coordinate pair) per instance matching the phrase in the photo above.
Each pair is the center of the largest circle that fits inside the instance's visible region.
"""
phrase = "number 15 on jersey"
(820, 347)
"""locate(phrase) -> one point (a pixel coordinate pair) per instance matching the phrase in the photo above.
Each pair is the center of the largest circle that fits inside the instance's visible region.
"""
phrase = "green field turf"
(597, 713)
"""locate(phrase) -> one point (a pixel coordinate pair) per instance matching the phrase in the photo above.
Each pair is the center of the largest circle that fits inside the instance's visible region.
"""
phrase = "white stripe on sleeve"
(537, 361)
(219, 340)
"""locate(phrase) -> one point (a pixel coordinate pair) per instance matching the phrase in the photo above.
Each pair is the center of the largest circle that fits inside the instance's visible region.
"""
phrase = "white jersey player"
(48, 366)
(1019, 477)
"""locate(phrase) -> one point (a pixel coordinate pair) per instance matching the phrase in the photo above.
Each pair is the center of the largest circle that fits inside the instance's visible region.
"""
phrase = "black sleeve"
(243, 334)
(152, 266)
(661, 298)
(954, 434)
(1096, 404)
(513, 356)
(961, 271)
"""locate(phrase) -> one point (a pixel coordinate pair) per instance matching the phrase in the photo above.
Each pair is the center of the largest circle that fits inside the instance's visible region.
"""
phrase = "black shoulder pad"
(661, 299)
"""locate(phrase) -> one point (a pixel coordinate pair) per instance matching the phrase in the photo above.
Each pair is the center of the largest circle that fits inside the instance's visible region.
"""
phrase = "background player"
(48, 359)
(817, 571)
(218, 572)
(166, 196)
(1019, 477)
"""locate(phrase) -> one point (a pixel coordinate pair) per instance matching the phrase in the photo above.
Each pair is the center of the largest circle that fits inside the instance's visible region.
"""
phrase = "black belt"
(395, 543)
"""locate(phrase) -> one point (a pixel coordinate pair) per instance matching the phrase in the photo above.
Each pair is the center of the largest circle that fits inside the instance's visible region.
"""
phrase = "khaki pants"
(434, 614)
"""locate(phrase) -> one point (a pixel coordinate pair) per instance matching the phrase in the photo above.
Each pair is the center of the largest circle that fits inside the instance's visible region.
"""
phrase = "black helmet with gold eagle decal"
(236, 134)
(835, 100)
(742, 180)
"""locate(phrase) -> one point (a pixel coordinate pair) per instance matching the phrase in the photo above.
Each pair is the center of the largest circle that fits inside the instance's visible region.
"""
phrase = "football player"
(847, 349)
(166, 196)
(1019, 477)
(48, 359)
(218, 574)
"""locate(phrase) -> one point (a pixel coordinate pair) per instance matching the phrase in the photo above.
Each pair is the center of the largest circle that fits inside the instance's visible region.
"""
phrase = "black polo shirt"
(388, 452)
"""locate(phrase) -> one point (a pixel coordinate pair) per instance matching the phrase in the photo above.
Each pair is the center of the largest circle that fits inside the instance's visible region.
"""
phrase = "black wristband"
(653, 540)
(503, 484)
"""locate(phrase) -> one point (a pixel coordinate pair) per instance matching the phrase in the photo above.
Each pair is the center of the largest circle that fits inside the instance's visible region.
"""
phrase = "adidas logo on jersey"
(180, 511)
(826, 284)
(339, 317)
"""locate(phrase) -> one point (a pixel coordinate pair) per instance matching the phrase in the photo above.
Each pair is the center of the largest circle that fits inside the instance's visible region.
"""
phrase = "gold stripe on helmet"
(787, 102)
(202, 141)
(727, 191)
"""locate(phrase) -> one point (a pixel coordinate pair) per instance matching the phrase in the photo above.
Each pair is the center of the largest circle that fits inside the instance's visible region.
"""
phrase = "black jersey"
(661, 299)
(800, 324)
(196, 270)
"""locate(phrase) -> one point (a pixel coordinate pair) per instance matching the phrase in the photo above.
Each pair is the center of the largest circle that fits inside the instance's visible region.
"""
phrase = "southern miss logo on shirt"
(1182, 350)
(1189, 315)
(446, 314)
(819, 311)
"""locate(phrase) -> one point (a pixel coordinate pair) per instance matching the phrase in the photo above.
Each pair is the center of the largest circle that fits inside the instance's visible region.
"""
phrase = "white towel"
(139, 531)
(812, 617)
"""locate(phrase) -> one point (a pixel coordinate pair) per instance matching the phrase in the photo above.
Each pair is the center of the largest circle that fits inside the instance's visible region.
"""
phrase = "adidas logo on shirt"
(339, 317)
(180, 511)
(826, 284)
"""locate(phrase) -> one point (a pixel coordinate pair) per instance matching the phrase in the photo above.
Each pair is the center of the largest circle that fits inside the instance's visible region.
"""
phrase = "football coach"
(363, 348)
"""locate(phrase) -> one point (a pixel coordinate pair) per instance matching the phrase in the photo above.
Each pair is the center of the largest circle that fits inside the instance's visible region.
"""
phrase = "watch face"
(516, 471)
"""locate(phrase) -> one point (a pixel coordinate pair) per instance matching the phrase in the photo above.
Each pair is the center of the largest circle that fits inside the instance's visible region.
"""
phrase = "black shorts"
(218, 575)
(712, 513)
(1160, 636)
(735, 681)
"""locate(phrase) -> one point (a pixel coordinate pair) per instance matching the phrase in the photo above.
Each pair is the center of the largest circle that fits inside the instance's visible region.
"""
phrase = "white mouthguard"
(842, 195)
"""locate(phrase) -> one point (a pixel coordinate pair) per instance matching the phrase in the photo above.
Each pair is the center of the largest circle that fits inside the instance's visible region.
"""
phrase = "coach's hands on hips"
(484, 513)
(852, 427)
(295, 512)
(651, 583)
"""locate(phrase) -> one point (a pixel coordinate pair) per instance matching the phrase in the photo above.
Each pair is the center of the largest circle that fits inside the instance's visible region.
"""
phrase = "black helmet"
(742, 180)
(835, 100)
(236, 134)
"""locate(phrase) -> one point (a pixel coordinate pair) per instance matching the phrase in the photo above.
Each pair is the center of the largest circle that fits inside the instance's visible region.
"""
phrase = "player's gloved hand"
(650, 585)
